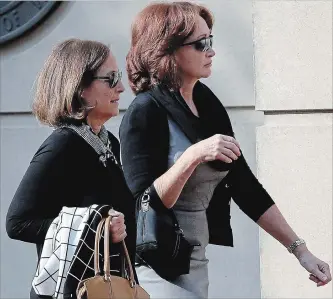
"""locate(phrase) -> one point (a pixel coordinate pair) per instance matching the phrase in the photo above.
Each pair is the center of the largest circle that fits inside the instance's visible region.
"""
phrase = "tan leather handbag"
(108, 286)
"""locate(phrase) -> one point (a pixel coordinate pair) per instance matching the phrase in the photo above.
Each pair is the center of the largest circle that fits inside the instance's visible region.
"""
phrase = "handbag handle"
(107, 274)
(98, 237)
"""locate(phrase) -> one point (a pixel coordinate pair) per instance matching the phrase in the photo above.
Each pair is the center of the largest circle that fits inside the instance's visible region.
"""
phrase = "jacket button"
(226, 185)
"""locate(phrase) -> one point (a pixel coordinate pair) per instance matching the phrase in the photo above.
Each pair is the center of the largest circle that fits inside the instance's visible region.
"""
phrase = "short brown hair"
(157, 32)
(69, 68)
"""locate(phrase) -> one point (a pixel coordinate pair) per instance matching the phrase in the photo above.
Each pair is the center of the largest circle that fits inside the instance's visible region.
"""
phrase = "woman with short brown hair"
(178, 151)
(78, 165)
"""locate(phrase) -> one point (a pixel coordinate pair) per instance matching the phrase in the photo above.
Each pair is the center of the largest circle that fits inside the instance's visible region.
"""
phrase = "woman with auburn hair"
(78, 165)
(178, 148)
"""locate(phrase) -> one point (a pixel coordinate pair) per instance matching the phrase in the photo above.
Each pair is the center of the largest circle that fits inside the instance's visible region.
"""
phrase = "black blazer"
(144, 138)
(65, 171)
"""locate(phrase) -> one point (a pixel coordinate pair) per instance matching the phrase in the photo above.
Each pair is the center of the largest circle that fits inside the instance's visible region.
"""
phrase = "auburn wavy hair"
(157, 32)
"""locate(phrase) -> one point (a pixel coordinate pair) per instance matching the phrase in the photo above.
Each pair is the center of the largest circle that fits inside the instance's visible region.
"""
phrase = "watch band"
(295, 244)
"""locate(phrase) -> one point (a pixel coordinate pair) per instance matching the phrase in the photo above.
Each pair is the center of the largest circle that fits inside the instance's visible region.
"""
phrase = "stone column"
(293, 66)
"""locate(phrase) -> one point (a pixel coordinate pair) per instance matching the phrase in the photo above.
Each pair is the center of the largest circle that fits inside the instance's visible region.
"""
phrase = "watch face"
(18, 17)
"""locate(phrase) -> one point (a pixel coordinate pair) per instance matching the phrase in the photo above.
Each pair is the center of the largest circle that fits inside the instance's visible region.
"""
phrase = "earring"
(89, 107)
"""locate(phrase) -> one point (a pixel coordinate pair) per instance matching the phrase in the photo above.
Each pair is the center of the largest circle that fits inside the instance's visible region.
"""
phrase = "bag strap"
(107, 274)
(129, 264)
(145, 200)
(98, 237)
(175, 221)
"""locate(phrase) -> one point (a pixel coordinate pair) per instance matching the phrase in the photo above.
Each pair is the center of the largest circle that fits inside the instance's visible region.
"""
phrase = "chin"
(115, 113)
(111, 114)
(206, 73)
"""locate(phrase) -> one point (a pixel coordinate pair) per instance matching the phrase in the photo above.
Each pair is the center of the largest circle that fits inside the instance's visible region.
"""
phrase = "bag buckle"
(145, 201)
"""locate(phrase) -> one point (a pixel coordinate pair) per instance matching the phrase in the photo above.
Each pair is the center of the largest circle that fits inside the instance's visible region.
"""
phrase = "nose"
(120, 87)
(210, 53)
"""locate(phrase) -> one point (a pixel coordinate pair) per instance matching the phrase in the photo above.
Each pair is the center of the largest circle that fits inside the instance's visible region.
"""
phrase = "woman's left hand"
(319, 270)
(117, 227)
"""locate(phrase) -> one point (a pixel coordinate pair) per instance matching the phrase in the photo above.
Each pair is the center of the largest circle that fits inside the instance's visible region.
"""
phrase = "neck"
(186, 90)
(95, 124)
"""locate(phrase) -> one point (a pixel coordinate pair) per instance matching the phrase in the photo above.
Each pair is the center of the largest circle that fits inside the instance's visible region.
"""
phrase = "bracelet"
(295, 244)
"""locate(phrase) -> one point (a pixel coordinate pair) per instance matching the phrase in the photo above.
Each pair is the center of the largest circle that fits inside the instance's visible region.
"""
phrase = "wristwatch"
(295, 244)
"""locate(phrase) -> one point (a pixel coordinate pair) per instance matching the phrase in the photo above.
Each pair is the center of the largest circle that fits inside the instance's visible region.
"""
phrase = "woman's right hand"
(218, 147)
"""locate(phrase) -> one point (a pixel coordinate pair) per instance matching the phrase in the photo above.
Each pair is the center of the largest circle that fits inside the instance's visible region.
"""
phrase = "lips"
(114, 101)
(208, 64)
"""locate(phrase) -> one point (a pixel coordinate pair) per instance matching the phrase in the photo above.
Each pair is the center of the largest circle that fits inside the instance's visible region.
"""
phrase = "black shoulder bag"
(160, 240)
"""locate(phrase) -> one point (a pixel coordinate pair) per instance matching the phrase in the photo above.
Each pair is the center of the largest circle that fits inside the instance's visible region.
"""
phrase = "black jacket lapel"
(213, 116)
(178, 110)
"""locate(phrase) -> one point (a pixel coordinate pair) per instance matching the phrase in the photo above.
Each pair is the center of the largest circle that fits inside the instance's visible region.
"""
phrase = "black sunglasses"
(112, 78)
(204, 44)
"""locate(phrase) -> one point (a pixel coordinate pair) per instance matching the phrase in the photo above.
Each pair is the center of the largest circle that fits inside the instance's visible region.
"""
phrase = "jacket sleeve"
(246, 190)
(144, 142)
(38, 199)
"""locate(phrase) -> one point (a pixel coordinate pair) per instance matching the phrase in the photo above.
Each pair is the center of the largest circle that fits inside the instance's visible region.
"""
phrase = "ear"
(88, 101)
(84, 93)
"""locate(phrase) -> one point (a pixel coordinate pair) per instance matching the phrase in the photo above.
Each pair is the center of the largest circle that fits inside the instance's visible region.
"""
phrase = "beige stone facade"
(293, 67)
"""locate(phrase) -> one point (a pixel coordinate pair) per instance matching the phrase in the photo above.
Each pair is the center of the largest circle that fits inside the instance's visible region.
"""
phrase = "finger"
(118, 219)
(114, 213)
(229, 153)
(326, 270)
(232, 147)
(223, 158)
(119, 238)
(322, 277)
(117, 215)
(117, 228)
(123, 236)
(231, 139)
(314, 278)
(121, 231)
(118, 235)
(237, 143)
(320, 284)
(118, 232)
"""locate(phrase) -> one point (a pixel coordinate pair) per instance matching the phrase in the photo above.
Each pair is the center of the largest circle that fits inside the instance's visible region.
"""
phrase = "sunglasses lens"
(204, 45)
(114, 79)
(200, 45)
